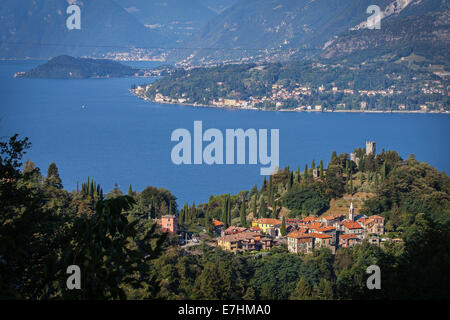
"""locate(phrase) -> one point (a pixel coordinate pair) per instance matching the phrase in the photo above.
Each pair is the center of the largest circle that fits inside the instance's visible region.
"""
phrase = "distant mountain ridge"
(277, 30)
(37, 29)
(422, 27)
(176, 19)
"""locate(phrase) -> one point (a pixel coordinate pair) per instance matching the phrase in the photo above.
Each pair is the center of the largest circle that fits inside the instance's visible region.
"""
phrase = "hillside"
(389, 83)
(37, 29)
(268, 30)
(67, 67)
(423, 27)
(174, 18)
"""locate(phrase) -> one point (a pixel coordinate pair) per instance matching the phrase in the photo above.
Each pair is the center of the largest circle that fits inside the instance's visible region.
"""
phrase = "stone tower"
(370, 147)
(351, 212)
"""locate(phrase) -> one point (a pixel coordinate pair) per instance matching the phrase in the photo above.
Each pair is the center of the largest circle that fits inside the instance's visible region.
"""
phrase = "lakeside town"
(210, 87)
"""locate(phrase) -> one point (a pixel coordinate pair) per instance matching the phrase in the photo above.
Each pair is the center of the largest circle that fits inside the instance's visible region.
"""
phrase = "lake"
(121, 139)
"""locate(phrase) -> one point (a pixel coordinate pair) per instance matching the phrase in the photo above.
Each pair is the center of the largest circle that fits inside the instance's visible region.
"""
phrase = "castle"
(370, 147)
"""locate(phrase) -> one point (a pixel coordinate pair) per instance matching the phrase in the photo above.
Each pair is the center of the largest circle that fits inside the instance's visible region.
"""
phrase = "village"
(282, 98)
(300, 235)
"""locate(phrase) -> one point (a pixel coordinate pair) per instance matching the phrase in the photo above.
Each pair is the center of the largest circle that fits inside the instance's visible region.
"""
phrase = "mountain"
(38, 29)
(421, 27)
(67, 67)
(176, 19)
(274, 30)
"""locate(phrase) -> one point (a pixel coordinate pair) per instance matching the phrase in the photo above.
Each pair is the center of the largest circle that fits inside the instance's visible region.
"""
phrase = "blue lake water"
(120, 138)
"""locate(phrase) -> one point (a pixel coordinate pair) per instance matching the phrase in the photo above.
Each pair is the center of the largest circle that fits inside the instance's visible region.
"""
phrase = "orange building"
(169, 223)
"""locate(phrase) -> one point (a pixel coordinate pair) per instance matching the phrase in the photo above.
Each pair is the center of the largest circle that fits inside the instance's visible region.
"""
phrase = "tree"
(249, 294)
(321, 169)
(262, 208)
(100, 245)
(225, 212)
(243, 215)
(324, 290)
(302, 290)
(53, 178)
(255, 213)
(283, 227)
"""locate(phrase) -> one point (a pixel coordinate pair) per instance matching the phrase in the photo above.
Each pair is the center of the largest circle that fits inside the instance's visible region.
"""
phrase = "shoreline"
(288, 110)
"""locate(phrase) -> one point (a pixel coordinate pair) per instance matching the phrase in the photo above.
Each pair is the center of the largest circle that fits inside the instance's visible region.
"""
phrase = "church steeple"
(351, 212)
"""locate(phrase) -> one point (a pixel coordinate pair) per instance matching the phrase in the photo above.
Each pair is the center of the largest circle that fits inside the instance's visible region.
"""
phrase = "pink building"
(169, 223)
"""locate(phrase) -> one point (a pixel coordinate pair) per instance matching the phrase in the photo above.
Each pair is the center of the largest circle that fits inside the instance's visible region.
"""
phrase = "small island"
(67, 67)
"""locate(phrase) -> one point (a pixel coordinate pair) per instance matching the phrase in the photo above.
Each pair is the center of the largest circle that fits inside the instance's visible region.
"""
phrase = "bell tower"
(351, 212)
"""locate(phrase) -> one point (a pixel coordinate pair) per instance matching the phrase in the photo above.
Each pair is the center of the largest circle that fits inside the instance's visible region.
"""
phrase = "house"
(234, 230)
(169, 223)
(323, 240)
(373, 224)
(264, 224)
(348, 240)
(244, 241)
(328, 231)
(352, 227)
(300, 242)
(310, 219)
(331, 220)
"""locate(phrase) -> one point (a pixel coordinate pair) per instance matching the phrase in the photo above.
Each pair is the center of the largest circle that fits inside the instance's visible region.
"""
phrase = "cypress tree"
(313, 165)
(229, 212)
(206, 222)
(321, 168)
(225, 212)
(130, 191)
(305, 173)
(243, 215)
(383, 171)
(283, 227)
(333, 158)
(351, 183)
(255, 214)
(262, 208)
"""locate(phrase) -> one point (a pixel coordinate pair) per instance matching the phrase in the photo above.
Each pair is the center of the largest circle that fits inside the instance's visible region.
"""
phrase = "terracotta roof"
(321, 235)
(217, 223)
(310, 219)
(332, 217)
(234, 229)
(325, 229)
(352, 225)
(315, 225)
(246, 235)
(296, 234)
(268, 221)
(348, 236)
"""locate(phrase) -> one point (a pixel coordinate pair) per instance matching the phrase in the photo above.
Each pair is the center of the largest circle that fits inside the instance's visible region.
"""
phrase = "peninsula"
(67, 67)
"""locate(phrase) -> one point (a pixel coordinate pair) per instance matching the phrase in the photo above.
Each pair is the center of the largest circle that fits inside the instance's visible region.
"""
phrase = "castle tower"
(370, 147)
(351, 212)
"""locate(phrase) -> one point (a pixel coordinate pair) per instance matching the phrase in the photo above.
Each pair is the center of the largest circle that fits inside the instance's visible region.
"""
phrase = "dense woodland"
(123, 255)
